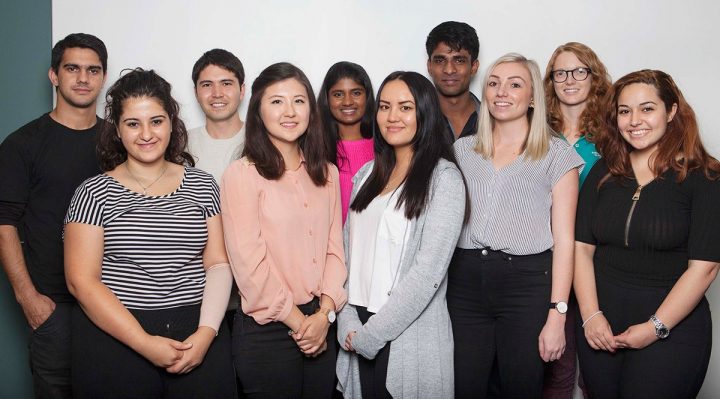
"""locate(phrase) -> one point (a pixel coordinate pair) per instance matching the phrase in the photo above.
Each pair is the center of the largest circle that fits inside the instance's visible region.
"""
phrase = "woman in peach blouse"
(281, 212)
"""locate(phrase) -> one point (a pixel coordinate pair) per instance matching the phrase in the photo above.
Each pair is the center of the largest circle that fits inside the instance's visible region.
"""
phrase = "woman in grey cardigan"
(406, 212)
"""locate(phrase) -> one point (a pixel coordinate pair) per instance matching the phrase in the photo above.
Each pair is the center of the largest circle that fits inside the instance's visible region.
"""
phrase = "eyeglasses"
(561, 75)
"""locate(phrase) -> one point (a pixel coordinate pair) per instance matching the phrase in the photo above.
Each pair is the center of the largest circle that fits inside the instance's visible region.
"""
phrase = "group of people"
(420, 243)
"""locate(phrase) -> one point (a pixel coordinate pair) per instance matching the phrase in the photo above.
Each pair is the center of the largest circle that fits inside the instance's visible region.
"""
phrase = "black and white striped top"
(153, 244)
(510, 208)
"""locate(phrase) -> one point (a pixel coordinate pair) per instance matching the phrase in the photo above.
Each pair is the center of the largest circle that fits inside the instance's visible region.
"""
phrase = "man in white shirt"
(219, 80)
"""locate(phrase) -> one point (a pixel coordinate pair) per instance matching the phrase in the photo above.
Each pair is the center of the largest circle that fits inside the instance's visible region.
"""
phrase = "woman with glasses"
(510, 276)
(646, 246)
(575, 83)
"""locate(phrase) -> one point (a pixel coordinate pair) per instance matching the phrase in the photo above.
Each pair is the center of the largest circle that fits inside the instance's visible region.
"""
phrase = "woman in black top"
(646, 246)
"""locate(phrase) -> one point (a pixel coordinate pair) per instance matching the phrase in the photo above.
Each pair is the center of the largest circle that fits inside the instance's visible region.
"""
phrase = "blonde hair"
(537, 142)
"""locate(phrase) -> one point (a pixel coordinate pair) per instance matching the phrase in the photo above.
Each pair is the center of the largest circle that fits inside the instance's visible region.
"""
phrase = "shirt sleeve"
(335, 272)
(587, 202)
(704, 219)
(564, 158)
(15, 170)
(265, 295)
(87, 205)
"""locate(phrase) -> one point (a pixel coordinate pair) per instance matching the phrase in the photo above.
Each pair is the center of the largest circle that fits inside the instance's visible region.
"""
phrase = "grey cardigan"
(415, 317)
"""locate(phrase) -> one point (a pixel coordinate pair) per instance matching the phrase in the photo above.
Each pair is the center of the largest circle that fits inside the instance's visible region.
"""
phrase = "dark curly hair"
(140, 83)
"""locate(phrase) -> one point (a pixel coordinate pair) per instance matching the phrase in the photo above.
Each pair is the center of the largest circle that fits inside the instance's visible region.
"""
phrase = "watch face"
(561, 307)
(662, 332)
(331, 316)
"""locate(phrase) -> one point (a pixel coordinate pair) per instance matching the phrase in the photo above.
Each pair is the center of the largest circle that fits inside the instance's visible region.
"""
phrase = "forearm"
(687, 293)
(562, 271)
(584, 280)
(106, 311)
(13, 261)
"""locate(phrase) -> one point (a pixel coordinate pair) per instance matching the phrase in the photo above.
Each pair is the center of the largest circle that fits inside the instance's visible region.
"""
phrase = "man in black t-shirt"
(41, 164)
(452, 49)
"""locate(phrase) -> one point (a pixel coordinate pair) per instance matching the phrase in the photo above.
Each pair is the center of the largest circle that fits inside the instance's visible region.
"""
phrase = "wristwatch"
(661, 330)
(331, 316)
(561, 307)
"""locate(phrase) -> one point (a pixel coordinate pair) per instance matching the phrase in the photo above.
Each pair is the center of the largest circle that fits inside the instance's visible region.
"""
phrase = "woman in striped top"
(511, 273)
(346, 103)
(281, 211)
(145, 258)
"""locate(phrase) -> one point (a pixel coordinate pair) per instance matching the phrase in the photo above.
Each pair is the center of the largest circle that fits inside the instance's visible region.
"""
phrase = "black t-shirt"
(41, 165)
(651, 242)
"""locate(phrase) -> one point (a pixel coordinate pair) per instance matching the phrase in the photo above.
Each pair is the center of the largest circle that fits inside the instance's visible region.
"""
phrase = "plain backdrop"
(384, 36)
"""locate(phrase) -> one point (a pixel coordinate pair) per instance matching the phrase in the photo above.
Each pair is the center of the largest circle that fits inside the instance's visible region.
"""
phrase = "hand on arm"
(84, 245)
(36, 307)
(682, 299)
(312, 335)
(551, 342)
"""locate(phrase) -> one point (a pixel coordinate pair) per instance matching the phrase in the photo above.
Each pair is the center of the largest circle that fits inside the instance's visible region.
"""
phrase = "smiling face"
(285, 111)
(144, 128)
(396, 115)
(219, 93)
(451, 71)
(347, 99)
(508, 92)
(642, 117)
(79, 78)
(571, 92)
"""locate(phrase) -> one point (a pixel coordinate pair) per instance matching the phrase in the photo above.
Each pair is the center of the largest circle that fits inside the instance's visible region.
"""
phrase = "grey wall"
(25, 93)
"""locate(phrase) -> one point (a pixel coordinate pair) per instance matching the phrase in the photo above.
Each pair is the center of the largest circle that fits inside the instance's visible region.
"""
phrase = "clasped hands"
(599, 335)
(311, 337)
(178, 357)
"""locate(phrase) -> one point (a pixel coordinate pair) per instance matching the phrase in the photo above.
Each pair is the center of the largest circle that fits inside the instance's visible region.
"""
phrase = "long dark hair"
(258, 147)
(134, 84)
(342, 70)
(679, 149)
(431, 142)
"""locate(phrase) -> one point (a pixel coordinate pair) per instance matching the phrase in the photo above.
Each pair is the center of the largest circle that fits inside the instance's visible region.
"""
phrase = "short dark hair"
(258, 147)
(222, 58)
(431, 143)
(81, 40)
(140, 83)
(457, 35)
(341, 70)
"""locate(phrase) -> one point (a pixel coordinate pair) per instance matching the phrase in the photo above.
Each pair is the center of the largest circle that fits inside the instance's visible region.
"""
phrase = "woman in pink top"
(346, 105)
(281, 211)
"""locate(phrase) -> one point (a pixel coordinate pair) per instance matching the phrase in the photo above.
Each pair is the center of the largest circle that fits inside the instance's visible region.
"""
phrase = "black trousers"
(269, 363)
(373, 373)
(671, 368)
(103, 367)
(50, 354)
(498, 305)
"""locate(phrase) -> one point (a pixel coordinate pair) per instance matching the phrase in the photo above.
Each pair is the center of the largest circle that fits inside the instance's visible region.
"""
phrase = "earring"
(532, 103)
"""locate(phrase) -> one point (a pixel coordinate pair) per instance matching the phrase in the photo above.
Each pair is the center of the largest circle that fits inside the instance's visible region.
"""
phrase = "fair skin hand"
(598, 332)
(35, 306)
(682, 299)
(551, 342)
(84, 245)
(312, 334)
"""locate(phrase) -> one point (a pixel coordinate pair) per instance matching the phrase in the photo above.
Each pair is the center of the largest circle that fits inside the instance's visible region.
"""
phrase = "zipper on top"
(635, 199)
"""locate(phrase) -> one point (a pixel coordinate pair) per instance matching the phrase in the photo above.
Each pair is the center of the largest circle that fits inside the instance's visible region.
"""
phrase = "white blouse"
(378, 236)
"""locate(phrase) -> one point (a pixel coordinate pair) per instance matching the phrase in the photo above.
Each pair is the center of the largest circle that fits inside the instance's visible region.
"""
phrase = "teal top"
(588, 153)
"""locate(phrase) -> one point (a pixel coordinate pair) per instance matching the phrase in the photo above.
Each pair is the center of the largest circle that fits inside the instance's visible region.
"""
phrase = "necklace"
(145, 188)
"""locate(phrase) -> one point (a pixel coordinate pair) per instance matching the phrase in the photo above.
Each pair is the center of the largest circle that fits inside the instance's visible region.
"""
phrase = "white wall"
(383, 36)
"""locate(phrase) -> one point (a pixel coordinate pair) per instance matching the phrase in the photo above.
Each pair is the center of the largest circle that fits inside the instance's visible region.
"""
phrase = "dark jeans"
(269, 363)
(498, 305)
(671, 368)
(50, 354)
(373, 373)
(103, 367)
